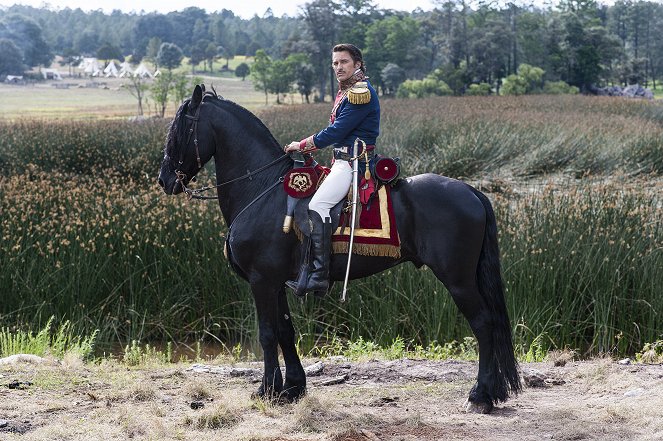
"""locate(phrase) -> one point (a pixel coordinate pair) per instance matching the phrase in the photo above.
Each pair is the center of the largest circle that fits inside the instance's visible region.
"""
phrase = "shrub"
(423, 88)
(481, 89)
(559, 88)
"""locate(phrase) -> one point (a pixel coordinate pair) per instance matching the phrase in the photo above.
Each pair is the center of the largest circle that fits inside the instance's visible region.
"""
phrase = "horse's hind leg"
(295, 378)
(266, 300)
(468, 299)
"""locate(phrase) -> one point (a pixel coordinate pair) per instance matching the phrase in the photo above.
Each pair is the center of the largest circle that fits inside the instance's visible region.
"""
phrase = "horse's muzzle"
(169, 184)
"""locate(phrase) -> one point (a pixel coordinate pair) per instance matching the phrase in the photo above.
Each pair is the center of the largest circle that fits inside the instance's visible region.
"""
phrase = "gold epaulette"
(359, 93)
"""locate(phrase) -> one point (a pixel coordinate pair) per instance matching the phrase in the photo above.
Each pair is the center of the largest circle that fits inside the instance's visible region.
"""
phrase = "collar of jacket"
(354, 79)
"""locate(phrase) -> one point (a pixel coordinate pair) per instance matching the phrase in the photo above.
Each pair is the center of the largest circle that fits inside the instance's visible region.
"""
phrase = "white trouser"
(333, 189)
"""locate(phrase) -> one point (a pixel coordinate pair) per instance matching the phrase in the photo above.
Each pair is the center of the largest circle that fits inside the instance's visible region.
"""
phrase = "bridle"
(181, 177)
(193, 130)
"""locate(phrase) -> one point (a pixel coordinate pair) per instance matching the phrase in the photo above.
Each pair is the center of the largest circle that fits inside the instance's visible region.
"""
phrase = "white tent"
(51, 74)
(125, 69)
(90, 66)
(141, 71)
(111, 70)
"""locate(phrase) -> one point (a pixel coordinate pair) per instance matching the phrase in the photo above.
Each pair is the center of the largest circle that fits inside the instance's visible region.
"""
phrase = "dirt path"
(358, 401)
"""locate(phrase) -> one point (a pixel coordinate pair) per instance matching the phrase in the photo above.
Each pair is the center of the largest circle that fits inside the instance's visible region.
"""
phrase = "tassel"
(359, 93)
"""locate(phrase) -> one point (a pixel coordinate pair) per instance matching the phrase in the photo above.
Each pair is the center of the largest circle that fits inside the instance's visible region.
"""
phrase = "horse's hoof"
(292, 394)
(484, 408)
(269, 395)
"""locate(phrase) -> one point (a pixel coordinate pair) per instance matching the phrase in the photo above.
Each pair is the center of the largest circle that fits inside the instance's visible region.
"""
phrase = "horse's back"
(437, 197)
(437, 215)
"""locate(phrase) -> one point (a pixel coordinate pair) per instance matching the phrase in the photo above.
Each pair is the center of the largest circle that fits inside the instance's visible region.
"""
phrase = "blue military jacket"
(349, 122)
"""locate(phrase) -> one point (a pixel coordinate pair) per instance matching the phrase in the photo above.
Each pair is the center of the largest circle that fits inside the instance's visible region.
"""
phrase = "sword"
(355, 198)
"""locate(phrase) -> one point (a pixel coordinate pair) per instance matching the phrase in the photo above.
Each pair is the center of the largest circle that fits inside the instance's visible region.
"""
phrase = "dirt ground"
(352, 401)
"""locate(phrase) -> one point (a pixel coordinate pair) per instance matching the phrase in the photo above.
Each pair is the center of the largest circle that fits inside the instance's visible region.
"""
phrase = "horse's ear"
(197, 96)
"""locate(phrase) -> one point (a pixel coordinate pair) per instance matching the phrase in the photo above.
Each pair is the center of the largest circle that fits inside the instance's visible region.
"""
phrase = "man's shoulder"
(362, 93)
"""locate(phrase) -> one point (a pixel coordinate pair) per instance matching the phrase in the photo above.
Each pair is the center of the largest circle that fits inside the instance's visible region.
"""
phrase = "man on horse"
(356, 114)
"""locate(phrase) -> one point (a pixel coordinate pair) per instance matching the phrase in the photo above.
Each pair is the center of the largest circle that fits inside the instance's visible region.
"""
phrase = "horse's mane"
(176, 132)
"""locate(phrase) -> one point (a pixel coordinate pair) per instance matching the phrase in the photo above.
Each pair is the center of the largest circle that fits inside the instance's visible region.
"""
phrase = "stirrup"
(299, 285)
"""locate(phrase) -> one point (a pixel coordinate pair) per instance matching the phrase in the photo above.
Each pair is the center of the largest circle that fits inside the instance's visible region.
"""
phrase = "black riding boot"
(315, 276)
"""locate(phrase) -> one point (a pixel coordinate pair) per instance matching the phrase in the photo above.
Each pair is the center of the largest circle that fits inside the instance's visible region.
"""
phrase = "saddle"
(375, 233)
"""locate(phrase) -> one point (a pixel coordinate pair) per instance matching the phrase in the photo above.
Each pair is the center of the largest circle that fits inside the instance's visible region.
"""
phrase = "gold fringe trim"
(364, 249)
(359, 93)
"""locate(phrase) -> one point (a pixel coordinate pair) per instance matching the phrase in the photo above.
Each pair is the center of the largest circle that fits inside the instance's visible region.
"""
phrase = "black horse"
(443, 223)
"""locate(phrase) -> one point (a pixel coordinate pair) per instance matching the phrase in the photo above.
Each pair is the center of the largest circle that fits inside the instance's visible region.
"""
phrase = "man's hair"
(354, 51)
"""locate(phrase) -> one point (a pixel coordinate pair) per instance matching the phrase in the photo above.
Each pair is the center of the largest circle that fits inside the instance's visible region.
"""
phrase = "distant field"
(107, 100)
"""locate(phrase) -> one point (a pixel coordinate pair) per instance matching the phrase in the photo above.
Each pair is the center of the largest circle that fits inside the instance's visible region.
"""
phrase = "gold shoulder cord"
(359, 93)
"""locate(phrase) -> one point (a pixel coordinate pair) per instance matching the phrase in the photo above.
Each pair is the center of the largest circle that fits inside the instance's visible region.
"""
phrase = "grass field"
(576, 182)
(104, 98)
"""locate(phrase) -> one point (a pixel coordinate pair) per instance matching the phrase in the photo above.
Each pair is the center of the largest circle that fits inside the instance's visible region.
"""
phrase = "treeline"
(461, 42)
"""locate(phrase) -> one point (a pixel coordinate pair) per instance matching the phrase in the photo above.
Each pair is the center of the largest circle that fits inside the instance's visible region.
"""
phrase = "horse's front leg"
(295, 378)
(266, 299)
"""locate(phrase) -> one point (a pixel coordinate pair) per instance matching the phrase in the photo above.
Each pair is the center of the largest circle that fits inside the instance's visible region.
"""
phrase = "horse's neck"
(243, 146)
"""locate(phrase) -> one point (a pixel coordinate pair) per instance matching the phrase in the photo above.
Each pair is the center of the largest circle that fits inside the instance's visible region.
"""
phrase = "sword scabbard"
(355, 201)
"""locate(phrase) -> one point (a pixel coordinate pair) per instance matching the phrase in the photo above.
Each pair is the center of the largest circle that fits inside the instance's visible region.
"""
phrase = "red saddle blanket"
(376, 234)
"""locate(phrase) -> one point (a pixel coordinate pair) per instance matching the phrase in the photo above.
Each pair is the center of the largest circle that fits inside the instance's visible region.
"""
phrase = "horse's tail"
(503, 365)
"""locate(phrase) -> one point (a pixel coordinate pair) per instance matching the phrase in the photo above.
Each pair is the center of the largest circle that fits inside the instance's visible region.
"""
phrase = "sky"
(243, 8)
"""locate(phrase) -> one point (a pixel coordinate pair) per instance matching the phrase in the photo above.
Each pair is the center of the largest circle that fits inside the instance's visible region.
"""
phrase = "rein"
(181, 177)
(193, 193)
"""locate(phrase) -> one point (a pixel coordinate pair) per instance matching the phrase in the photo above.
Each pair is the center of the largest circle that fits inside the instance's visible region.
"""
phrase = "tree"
(188, 26)
(281, 77)
(69, 58)
(152, 49)
(180, 88)
(160, 91)
(109, 52)
(211, 52)
(321, 17)
(137, 88)
(393, 40)
(588, 46)
(198, 54)
(86, 42)
(305, 78)
(242, 71)
(392, 77)
(147, 27)
(27, 36)
(10, 58)
(170, 56)
(528, 79)
(223, 52)
(490, 49)
(260, 72)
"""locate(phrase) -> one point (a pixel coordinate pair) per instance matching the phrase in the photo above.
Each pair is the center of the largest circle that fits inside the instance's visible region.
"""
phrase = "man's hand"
(292, 147)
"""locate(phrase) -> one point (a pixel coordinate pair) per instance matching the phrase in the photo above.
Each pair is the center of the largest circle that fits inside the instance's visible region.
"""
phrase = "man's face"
(343, 65)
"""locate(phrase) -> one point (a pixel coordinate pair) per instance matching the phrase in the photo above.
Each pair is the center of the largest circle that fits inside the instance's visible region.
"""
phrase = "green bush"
(528, 80)
(423, 88)
(559, 88)
(481, 89)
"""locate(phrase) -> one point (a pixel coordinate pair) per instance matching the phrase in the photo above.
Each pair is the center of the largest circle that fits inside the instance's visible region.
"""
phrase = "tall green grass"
(87, 235)
(95, 148)
(50, 340)
(521, 136)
